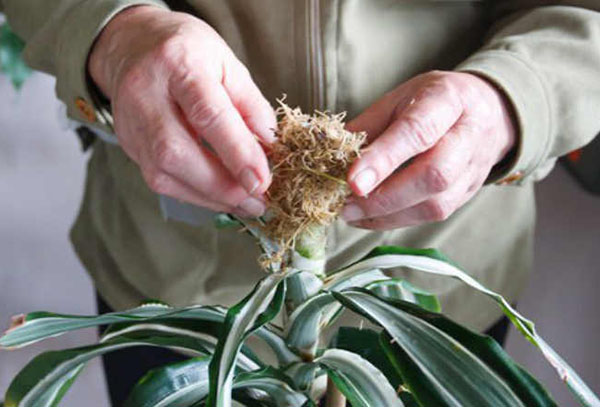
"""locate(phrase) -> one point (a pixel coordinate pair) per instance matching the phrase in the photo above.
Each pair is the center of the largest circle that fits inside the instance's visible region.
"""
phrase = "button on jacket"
(337, 55)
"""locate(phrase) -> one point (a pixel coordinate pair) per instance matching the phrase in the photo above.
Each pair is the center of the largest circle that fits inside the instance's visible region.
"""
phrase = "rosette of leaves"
(411, 356)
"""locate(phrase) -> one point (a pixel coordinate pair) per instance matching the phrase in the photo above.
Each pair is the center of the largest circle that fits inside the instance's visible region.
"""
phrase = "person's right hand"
(175, 86)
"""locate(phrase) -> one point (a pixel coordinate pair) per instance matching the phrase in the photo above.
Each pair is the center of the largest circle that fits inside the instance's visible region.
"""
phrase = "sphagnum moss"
(310, 160)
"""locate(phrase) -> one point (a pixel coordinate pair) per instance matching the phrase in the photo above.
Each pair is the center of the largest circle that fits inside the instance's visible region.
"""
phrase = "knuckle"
(171, 50)
(386, 162)
(381, 204)
(438, 210)
(158, 182)
(438, 179)
(442, 84)
(421, 131)
(387, 157)
(206, 115)
(168, 153)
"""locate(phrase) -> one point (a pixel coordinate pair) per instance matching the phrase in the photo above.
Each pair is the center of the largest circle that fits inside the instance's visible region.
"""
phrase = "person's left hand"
(455, 127)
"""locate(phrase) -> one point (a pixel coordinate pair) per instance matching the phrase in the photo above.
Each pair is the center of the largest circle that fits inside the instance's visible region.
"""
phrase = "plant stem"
(334, 397)
(310, 250)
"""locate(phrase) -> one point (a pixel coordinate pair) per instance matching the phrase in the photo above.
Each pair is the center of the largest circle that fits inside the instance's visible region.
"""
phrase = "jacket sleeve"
(59, 35)
(547, 62)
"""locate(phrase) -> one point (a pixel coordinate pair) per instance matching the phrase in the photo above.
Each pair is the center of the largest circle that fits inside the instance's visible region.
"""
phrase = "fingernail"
(352, 212)
(365, 180)
(249, 180)
(268, 136)
(253, 206)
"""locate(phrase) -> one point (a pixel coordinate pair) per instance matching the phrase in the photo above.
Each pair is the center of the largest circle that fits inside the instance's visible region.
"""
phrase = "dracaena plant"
(410, 355)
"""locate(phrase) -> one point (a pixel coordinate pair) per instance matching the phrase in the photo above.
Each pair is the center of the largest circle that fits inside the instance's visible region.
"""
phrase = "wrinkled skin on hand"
(453, 126)
(176, 87)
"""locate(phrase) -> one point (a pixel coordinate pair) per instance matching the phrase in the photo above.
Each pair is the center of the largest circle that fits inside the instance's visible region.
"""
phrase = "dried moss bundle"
(310, 158)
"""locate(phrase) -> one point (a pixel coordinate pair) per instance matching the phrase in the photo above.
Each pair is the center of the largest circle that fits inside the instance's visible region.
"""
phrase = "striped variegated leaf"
(268, 385)
(483, 347)
(433, 262)
(180, 384)
(403, 290)
(305, 324)
(303, 374)
(308, 320)
(45, 380)
(455, 376)
(257, 309)
(300, 287)
(246, 360)
(361, 382)
(37, 326)
(186, 383)
(366, 343)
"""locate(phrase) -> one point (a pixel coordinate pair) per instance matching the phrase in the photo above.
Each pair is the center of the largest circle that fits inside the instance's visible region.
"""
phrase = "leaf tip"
(16, 322)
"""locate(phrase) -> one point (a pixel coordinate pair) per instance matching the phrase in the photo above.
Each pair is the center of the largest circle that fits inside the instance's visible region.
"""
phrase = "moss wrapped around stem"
(310, 160)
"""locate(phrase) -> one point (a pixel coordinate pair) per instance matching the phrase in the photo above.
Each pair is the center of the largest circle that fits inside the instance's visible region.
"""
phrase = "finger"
(436, 209)
(213, 116)
(431, 173)
(256, 111)
(175, 154)
(416, 129)
(377, 117)
(169, 186)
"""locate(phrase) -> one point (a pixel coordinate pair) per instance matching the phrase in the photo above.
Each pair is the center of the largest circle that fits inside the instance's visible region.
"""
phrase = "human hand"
(455, 127)
(174, 84)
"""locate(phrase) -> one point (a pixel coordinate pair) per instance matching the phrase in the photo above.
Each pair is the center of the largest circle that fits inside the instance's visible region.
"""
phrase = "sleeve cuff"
(523, 87)
(83, 24)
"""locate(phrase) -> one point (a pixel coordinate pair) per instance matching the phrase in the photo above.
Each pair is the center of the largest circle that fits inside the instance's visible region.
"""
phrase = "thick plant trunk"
(310, 250)
(335, 398)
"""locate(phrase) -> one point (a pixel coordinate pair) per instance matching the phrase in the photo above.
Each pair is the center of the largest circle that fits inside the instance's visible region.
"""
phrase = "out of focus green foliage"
(11, 61)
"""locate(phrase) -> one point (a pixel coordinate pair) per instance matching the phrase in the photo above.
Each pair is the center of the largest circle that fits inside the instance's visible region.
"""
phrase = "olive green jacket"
(336, 55)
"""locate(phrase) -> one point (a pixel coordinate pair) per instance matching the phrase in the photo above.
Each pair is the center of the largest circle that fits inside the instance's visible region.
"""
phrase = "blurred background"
(41, 183)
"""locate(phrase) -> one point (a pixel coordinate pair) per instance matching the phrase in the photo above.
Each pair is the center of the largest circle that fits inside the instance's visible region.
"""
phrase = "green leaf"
(433, 262)
(403, 290)
(307, 321)
(303, 374)
(178, 385)
(321, 310)
(300, 287)
(258, 308)
(225, 221)
(487, 350)
(272, 385)
(449, 374)
(361, 382)
(11, 61)
(305, 325)
(365, 342)
(186, 383)
(45, 380)
(37, 326)
(204, 335)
